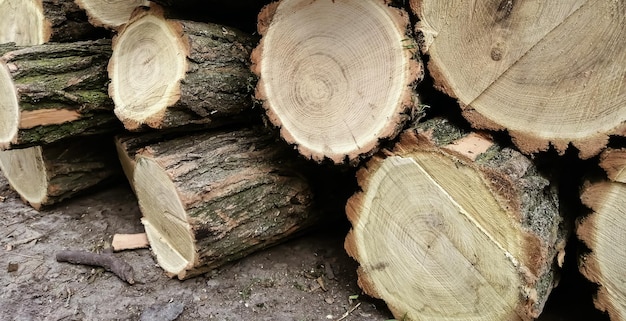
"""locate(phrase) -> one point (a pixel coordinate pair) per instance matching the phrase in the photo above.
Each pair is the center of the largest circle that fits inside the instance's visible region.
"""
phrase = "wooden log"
(128, 145)
(336, 77)
(169, 73)
(54, 91)
(449, 225)
(110, 14)
(46, 175)
(604, 233)
(39, 21)
(211, 198)
(519, 66)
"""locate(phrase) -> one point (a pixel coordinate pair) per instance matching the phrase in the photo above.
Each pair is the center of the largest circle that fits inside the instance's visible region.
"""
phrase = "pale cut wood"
(128, 145)
(46, 175)
(549, 72)
(110, 14)
(604, 232)
(212, 198)
(33, 22)
(123, 242)
(172, 73)
(451, 226)
(336, 77)
(54, 91)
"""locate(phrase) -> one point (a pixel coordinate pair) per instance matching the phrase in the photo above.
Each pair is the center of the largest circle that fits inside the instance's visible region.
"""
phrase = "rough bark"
(129, 144)
(603, 231)
(54, 91)
(37, 22)
(520, 66)
(336, 77)
(46, 175)
(169, 73)
(110, 14)
(211, 198)
(449, 225)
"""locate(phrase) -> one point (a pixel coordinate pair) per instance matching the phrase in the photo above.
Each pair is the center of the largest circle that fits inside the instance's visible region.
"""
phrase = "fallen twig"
(109, 262)
(345, 315)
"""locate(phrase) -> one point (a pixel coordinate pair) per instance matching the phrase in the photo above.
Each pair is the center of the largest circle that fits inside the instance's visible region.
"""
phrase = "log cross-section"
(604, 232)
(450, 226)
(549, 72)
(169, 73)
(336, 77)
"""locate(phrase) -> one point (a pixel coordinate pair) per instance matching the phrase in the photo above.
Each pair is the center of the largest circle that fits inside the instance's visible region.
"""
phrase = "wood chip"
(123, 242)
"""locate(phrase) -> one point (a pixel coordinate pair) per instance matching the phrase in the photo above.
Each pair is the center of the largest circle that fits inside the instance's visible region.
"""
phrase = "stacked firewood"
(228, 136)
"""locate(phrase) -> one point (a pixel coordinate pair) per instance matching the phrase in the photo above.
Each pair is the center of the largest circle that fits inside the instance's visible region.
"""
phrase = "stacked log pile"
(219, 130)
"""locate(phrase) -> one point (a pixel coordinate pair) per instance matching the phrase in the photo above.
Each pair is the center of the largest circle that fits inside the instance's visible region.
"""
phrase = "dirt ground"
(280, 283)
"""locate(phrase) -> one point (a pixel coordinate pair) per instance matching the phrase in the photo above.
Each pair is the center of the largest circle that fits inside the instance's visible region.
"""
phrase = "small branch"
(345, 315)
(109, 262)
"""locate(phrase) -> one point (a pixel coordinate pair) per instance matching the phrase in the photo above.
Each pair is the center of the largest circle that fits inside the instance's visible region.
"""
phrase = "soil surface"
(308, 278)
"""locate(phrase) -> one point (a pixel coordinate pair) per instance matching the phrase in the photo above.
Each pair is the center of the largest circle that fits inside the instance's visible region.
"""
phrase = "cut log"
(54, 91)
(27, 22)
(110, 14)
(170, 73)
(215, 197)
(548, 72)
(450, 226)
(46, 175)
(604, 232)
(336, 77)
(129, 144)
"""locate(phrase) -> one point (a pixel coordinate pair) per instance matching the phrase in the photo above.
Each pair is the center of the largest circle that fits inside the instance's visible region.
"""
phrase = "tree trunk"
(37, 22)
(336, 77)
(170, 73)
(110, 14)
(549, 72)
(46, 175)
(451, 226)
(212, 198)
(603, 231)
(54, 91)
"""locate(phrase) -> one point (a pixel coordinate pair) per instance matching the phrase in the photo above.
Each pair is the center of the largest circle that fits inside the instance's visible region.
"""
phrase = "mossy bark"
(61, 92)
(481, 215)
(237, 194)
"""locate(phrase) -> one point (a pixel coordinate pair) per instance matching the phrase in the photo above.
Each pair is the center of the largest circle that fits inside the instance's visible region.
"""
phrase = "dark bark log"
(212, 198)
(54, 91)
(45, 175)
(171, 73)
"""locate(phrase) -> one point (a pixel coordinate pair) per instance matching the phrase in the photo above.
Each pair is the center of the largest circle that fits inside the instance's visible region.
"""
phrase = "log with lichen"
(171, 73)
(54, 91)
(47, 175)
(211, 198)
(451, 225)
